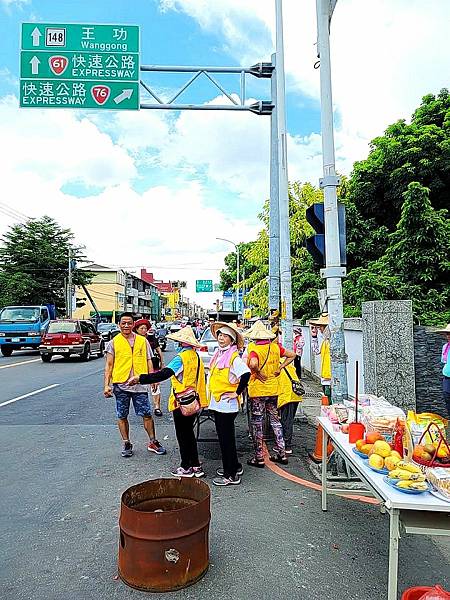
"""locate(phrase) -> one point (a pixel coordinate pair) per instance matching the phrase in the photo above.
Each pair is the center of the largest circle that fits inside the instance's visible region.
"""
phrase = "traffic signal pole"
(274, 209)
(333, 271)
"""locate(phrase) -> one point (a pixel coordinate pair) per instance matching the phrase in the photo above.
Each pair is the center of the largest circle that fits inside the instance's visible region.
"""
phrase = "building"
(175, 305)
(107, 290)
(170, 295)
(142, 298)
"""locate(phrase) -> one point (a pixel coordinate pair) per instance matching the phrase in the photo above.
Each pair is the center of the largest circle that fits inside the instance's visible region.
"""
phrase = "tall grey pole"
(69, 287)
(274, 211)
(333, 271)
(238, 301)
(285, 242)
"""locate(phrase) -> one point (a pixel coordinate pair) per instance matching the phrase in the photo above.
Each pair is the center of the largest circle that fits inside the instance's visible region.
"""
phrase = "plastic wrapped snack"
(383, 418)
(439, 477)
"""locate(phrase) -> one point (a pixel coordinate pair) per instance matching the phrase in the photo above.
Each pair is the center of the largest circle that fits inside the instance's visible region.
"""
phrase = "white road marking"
(49, 387)
(23, 362)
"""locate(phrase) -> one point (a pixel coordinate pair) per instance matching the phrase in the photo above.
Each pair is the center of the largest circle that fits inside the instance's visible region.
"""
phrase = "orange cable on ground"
(310, 484)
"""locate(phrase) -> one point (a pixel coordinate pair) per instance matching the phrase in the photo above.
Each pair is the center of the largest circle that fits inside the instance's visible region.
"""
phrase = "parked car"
(174, 327)
(209, 346)
(108, 331)
(67, 337)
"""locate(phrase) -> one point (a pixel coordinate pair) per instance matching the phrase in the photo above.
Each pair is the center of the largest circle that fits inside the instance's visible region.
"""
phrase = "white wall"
(353, 346)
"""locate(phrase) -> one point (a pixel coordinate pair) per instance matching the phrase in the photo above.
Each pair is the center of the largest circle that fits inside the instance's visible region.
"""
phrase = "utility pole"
(274, 209)
(236, 247)
(69, 288)
(285, 242)
(333, 271)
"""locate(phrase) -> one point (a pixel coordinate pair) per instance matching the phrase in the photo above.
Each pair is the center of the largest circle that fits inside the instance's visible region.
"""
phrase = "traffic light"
(316, 243)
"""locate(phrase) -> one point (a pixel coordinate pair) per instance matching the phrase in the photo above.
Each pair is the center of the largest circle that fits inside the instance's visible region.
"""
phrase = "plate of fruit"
(361, 454)
(364, 446)
(407, 478)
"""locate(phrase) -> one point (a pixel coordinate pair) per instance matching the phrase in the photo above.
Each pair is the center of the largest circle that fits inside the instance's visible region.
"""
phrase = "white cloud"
(385, 55)
(10, 3)
(169, 229)
(59, 146)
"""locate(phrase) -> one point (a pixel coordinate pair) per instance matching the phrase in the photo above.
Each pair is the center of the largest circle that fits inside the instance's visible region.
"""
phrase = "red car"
(67, 337)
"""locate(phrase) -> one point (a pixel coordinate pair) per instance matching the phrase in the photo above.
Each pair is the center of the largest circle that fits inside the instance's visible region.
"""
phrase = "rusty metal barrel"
(164, 534)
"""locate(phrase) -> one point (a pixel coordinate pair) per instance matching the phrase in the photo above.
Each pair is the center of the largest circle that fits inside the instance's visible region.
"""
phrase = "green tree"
(418, 151)
(34, 259)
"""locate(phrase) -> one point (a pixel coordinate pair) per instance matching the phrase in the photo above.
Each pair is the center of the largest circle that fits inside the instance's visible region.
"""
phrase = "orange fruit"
(366, 448)
(359, 444)
(373, 436)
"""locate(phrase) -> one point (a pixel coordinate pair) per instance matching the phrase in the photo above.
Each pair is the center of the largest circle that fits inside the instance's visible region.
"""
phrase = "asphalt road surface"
(62, 477)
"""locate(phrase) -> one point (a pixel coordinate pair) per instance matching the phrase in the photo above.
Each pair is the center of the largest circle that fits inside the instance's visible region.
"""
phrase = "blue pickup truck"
(23, 326)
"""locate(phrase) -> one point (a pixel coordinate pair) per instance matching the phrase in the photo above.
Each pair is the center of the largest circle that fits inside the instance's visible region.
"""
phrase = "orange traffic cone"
(316, 454)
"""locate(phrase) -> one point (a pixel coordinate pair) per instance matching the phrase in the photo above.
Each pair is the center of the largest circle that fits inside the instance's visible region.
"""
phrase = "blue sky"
(179, 180)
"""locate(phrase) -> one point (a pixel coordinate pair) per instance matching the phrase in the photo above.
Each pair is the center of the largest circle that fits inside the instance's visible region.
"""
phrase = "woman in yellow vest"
(324, 350)
(228, 377)
(263, 358)
(287, 404)
(187, 375)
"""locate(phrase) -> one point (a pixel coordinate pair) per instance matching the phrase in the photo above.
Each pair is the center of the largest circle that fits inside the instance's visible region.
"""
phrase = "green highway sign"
(204, 285)
(47, 93)
(77, 37)
(81, 66)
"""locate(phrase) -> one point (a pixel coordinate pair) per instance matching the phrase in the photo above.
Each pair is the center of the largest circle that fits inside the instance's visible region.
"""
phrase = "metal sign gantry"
(260, 70)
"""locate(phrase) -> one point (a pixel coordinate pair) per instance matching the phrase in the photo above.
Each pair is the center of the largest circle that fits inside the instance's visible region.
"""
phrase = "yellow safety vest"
(285, 393)
(219, 380)
(325, 369)
(126, 358)
(190, 360)
(269, 360)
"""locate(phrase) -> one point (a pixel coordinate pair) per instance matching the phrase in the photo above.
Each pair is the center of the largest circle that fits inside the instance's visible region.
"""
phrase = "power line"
(17, 213)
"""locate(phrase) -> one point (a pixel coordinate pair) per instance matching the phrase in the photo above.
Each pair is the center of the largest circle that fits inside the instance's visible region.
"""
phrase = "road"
(62, 476)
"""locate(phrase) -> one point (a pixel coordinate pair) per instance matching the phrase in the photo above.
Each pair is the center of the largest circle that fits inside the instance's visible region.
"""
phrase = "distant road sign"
(204, 285)
(80, 66)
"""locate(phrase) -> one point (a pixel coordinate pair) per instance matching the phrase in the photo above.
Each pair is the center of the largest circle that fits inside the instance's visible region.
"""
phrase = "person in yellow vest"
(127, 355)
(323, 349)
(228, 378)
(263, 357)
(187, 376)
(288, 403)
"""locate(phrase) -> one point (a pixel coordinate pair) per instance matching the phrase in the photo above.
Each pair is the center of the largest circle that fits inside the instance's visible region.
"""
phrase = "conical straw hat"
(185, 336)
(258, 331)
(322, 320)
(238, 335)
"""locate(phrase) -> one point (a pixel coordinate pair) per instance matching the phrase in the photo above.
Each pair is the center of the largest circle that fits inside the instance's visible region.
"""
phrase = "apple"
(344, 428)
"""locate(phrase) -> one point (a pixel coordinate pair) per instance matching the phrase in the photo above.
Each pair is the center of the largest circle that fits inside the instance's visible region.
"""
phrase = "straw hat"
(258, 331)
(234, 333)
(446, 330)
(185, 336)
(322, 320)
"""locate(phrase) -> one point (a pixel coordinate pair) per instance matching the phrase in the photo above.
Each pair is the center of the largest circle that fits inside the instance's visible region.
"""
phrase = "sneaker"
(127, 449)
(222, 481)
(240, 471)
(289, 451)
(158, 412)
(198, 471)
(156, 447)
(180, 472)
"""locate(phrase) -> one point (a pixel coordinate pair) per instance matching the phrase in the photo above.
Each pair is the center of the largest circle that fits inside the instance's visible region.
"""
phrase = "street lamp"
(237, 270)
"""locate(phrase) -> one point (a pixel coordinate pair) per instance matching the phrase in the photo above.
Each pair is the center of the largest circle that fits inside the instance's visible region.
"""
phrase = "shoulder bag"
(297, 386)
(188, 399)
